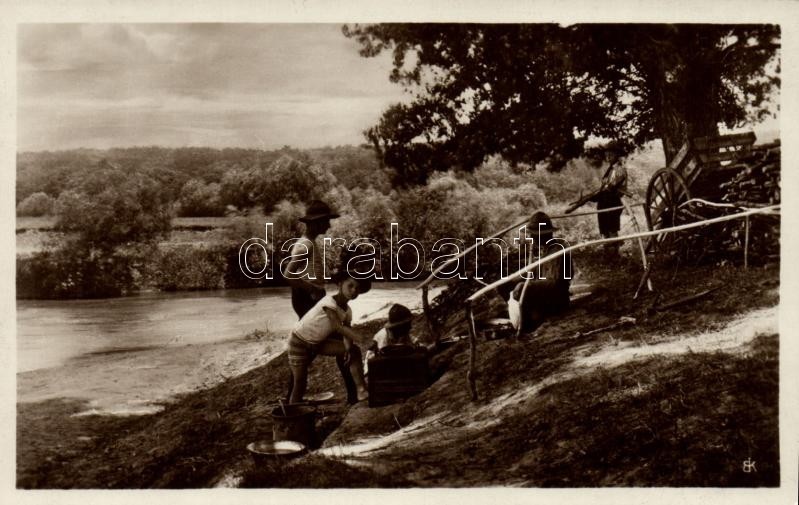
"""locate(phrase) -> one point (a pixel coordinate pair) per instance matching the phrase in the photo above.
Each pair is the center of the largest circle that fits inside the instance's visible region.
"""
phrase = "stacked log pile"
(750, 181)
(757, 181)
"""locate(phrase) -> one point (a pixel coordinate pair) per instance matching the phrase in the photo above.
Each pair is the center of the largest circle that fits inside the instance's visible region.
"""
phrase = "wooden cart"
(700, 172)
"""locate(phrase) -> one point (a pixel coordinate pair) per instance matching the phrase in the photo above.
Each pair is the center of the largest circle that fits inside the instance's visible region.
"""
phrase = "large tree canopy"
(536, 93)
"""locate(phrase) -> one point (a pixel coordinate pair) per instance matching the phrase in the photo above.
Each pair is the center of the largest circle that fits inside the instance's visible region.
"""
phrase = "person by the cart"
(608, 196)
(613, 187)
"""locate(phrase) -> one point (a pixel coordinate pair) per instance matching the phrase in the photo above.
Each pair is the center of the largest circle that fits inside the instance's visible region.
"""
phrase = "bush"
(198, 199)
(188, 268)
(286, 225)
(290, 177)
(565, 186)
(73, 271)
(295, 180)
(234, 188)
(35, 205)
(113, 208)
(115, 217)
(354, 167)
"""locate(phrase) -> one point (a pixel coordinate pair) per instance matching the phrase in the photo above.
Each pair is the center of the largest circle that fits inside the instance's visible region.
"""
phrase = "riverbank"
(681, 398)
(139, 381)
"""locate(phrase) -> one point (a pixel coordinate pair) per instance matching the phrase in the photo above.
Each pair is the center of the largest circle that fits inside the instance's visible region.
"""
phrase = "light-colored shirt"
(514, 312)
(315, 326)
(381, 337)
(307, 262)
(380, 341)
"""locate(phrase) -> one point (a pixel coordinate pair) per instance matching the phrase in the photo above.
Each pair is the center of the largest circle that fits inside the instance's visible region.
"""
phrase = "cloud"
(99, 85)
(70, 47)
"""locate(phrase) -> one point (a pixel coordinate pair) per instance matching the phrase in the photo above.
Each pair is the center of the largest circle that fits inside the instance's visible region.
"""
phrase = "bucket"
(296, 424)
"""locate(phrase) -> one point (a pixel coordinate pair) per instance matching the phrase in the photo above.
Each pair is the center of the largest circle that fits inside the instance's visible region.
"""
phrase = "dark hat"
(318, 209)
(541, 218)
(364, 284)
(398, 315)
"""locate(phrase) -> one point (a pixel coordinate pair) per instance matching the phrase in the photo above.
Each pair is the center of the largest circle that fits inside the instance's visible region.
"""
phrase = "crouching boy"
(399, 368)
(317, 333)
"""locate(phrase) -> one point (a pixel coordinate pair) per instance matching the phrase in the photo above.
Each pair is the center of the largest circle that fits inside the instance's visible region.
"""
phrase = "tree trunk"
(686, 109)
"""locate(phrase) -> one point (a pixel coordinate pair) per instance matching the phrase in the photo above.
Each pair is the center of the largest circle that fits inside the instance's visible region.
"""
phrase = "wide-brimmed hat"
(318, 209)
(398, 315)
(543, 219)
(364, 283)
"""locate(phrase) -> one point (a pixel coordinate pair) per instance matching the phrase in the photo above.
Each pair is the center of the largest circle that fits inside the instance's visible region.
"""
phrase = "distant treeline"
(202, 181)
(117, 205)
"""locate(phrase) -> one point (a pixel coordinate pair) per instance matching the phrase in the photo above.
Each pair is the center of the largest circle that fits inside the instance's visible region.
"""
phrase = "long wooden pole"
(716, 204)
(746, 243)
(466, 251)
(558, 254)
(640, 243)
(592, 212)
(430, 278)
(471, 375)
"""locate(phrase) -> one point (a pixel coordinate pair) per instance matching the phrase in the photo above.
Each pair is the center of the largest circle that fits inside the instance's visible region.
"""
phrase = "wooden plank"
(687, 160)
(691, 172)
(716, 142)
(721, 156)
(766, 147)
(679, 158)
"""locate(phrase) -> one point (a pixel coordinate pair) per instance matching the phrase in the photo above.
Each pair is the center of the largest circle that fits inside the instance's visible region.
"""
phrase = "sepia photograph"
(433, 254)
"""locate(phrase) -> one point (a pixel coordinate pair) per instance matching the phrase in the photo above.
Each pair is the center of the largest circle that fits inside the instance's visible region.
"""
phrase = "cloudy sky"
(243, 85)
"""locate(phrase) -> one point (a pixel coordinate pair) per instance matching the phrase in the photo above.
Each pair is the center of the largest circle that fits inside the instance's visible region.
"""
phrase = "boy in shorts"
(315, 334)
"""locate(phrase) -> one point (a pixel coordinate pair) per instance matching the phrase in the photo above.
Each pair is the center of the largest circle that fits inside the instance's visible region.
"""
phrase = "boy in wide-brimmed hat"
(305, 275)
(396, 332)
(305, 270)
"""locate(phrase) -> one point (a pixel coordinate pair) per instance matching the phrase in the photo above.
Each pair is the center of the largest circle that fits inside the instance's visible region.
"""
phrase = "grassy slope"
(685, 420)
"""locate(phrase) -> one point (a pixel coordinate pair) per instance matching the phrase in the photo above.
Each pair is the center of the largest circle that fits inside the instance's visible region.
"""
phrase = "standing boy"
(305, 275)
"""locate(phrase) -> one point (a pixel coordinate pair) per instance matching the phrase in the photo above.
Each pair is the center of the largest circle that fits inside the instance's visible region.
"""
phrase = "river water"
(148, 347)
(51, 332)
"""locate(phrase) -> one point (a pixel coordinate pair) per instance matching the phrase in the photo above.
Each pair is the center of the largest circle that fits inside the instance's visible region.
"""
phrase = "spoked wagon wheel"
(667, 190)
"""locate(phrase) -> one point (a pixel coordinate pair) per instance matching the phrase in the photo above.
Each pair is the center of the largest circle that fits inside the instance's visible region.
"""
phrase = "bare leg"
(356, 369)
(336, 348)
(301, 302)
(349, 382)
(300, 383)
